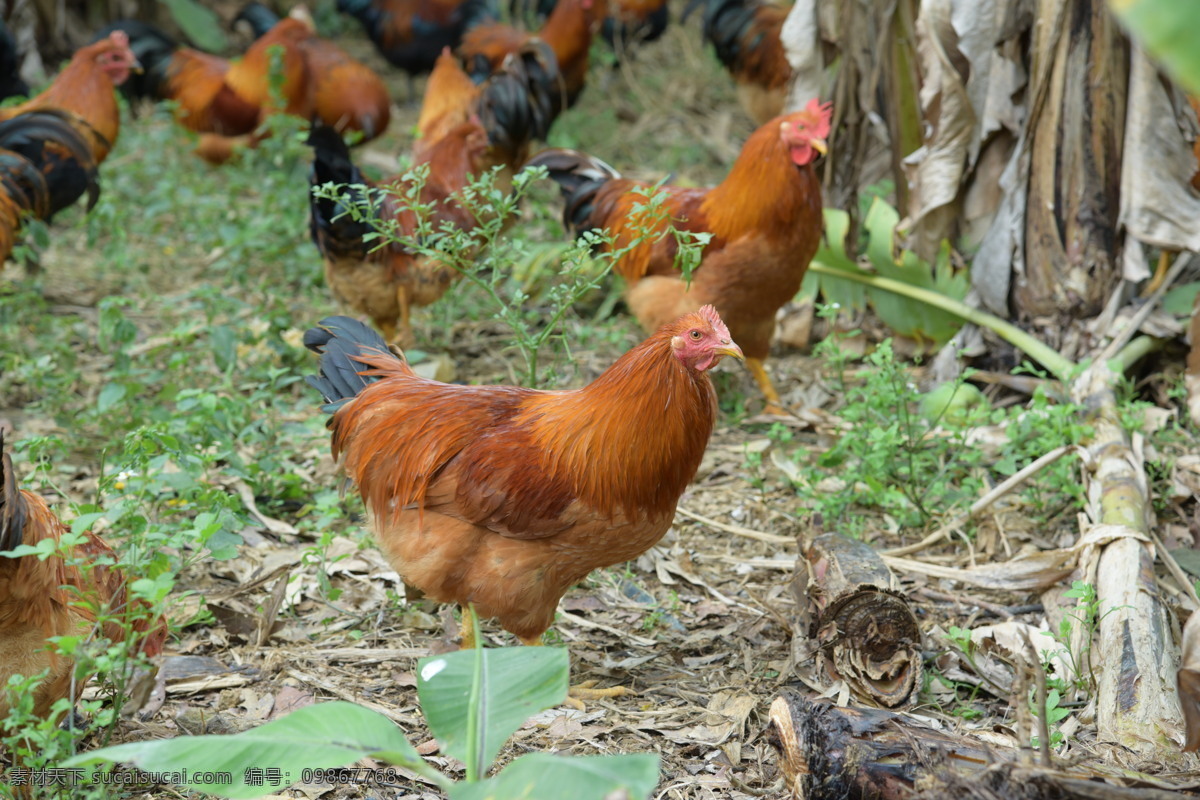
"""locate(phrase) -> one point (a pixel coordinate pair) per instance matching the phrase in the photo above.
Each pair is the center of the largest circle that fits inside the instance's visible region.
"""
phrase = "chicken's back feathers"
(42, 598)
(347, 94)
(625, 446)
(248, 77)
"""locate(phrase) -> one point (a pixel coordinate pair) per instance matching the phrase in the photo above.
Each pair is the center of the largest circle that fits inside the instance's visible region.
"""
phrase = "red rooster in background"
(347, 94)
(85, 88)
(765, 220)
(42, 598)
(506, 497)
(225, 101)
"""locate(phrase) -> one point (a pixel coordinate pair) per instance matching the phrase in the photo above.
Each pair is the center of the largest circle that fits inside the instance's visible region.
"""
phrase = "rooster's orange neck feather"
(632, 439)
(763, 191)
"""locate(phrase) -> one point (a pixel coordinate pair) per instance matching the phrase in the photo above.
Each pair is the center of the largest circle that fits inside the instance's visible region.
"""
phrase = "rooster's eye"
(696, 334)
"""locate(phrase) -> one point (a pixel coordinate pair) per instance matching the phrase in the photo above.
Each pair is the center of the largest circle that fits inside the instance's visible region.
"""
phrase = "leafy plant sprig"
(485, 258)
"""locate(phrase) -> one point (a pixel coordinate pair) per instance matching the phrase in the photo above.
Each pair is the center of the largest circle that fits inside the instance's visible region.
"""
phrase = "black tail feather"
(334, 230)
(52, 142)
(579, 176)
(339, 340)
(726, 25)
(520, 102)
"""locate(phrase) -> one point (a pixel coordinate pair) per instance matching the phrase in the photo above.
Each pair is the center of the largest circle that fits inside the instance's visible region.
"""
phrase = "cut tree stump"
(857, 620)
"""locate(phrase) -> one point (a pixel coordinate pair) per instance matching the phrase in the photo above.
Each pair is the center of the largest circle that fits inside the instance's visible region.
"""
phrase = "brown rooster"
(506, 497)
(568, 31)
(745, 34)
(347, 94)
(225, 101)
(46, 164)
(764, 218)
(41, 598)
(467, 130)
(85, 88)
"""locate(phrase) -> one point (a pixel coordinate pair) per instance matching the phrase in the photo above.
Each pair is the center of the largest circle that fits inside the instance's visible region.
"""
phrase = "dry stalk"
(1137, 704)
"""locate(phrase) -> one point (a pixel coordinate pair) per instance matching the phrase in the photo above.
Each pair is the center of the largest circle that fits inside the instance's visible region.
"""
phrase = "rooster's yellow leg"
(583, 691)
(774, 404)
(406, 335)
(388, 329)
(466, 630)
(1160, 274)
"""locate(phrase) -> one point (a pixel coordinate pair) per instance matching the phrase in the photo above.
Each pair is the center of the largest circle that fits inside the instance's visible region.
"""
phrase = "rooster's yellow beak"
(730, 349)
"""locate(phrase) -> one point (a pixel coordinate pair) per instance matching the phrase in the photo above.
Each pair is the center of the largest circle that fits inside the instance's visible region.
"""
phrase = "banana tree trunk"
(1015, 151)
(1079, 68)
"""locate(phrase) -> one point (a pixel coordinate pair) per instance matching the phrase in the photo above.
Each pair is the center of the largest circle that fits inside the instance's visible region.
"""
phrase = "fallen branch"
(1135, 707)
(736, 530)
(832, 753)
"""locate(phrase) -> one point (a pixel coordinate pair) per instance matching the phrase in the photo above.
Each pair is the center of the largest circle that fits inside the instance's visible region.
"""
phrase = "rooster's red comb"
(710, 315)
(818, 117)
